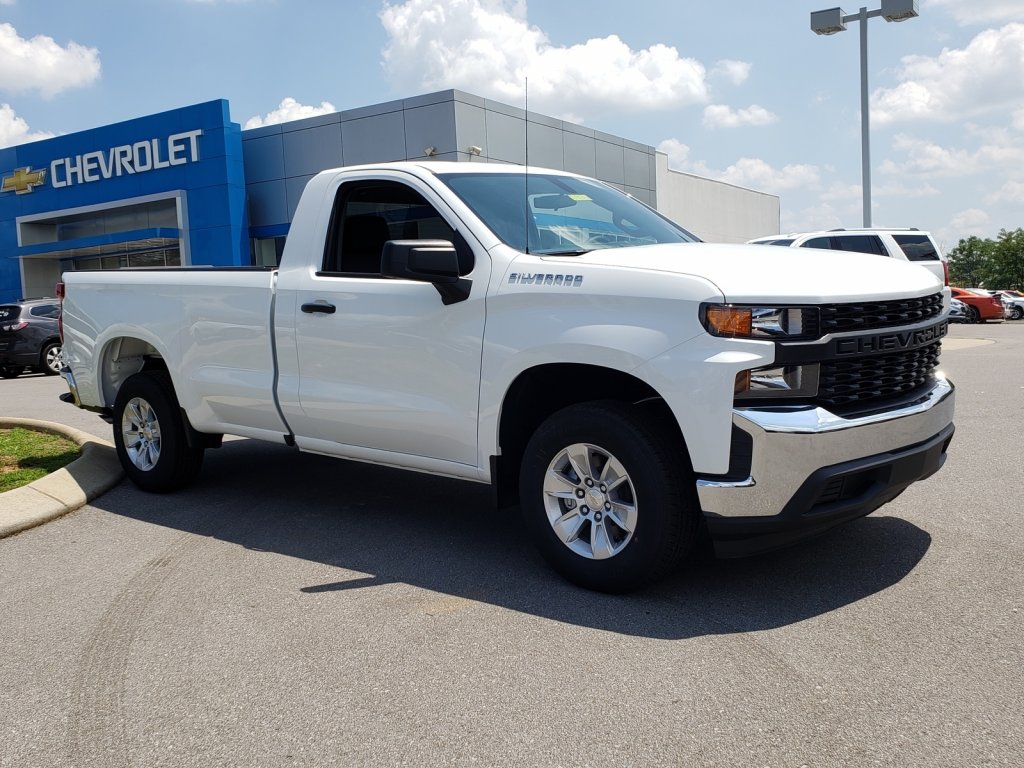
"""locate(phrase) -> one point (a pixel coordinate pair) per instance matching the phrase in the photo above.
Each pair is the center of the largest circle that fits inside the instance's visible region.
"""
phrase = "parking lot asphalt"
(296, 610)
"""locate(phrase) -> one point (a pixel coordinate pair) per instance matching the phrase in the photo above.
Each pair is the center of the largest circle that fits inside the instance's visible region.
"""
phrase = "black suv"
(29, 337)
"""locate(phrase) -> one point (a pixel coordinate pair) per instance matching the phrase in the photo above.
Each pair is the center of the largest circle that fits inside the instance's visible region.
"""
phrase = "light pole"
(833, 20)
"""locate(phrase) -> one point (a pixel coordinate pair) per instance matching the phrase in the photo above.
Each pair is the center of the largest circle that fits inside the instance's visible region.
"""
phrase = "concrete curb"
(96, 471)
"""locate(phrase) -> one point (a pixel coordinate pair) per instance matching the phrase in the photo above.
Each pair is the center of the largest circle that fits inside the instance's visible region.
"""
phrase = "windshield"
(566, 215)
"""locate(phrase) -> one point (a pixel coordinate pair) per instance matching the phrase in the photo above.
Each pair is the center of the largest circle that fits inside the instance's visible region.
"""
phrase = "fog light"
(786, 381)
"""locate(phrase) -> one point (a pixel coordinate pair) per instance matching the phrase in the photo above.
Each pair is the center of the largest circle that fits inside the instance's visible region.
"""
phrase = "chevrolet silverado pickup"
(631, 388)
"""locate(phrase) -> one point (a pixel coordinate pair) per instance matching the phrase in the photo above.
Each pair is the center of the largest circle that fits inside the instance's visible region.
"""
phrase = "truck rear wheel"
(151, 435)
(607, 497)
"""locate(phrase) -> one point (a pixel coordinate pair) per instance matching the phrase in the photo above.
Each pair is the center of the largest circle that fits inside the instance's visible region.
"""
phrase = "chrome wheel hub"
(590, 501)
(140, 430)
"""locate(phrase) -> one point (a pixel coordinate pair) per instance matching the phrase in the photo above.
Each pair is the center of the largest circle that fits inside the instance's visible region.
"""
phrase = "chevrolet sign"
(127, 159)
(124, 160)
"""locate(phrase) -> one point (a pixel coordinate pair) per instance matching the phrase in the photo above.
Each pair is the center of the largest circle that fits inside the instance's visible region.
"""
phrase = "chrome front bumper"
(795, 448)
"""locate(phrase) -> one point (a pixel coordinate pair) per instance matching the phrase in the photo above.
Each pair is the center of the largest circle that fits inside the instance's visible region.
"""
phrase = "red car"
(981, 305)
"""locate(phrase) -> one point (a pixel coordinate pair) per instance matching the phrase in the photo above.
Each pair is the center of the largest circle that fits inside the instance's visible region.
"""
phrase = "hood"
(763, 273)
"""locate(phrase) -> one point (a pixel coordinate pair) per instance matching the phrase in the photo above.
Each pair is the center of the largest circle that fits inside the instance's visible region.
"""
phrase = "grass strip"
(27, 455)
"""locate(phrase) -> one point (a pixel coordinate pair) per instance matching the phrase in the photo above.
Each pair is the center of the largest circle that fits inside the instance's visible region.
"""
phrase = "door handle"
(324, 309)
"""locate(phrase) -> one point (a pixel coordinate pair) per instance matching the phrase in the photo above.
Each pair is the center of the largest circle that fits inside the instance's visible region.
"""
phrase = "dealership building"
(190, 187)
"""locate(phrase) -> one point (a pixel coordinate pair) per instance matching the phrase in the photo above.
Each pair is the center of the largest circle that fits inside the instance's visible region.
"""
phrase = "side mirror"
(427, 261)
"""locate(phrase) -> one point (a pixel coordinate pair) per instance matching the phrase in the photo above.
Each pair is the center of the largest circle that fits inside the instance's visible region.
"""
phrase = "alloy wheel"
(590, 502)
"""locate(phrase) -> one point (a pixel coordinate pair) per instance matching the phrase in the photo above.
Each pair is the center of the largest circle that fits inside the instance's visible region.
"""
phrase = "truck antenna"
(526, 169)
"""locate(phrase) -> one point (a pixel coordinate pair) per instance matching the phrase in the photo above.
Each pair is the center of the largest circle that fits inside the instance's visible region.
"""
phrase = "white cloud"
(289, 109)
(488, 47)
(678, 154)
(984, 77)
(745, 172)
(724, 116)
(926, 158)
(1010, 192)
(972, 220)
(14, 130)
(901, 190)
(41, 64)
(980, 11)
(811, 219)
(842, 192)
(736, 72)
(757, 174)
(1018, 119)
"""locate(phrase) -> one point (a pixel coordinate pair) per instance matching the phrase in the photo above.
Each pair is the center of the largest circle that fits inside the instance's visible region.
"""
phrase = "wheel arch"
(121, 357)
(538, 392)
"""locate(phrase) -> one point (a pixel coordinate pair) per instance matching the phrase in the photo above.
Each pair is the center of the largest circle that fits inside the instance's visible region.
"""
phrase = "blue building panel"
(195, 150)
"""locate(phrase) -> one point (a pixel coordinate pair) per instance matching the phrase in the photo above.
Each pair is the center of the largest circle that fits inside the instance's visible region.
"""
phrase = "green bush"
(993, 264)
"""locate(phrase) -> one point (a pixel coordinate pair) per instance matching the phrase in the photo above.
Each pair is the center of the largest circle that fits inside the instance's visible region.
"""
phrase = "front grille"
(864, 316)
(867, 379)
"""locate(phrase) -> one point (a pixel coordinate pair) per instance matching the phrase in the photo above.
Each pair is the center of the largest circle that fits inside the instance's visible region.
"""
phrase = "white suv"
(905, 244)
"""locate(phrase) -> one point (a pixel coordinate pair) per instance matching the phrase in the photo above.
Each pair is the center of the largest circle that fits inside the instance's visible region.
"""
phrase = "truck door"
(368, 362)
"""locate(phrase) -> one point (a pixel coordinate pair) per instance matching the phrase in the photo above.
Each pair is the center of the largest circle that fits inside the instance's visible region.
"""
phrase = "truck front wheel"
(605, 493)
(150, 434)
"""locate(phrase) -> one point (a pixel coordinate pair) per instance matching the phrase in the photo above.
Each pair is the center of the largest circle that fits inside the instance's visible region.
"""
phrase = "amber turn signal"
(729, 321)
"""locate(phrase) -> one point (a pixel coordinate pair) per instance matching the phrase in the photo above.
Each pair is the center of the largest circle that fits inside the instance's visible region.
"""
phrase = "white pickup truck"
(630, 386)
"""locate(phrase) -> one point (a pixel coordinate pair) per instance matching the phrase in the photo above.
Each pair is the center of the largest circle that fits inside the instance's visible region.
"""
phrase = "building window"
(164, 257)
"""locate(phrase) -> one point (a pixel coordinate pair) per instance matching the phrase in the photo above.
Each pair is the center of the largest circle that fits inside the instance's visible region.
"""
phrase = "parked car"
(911, 245)
(1013, 304)
(957, 311)
(30, 337)
(981, 305)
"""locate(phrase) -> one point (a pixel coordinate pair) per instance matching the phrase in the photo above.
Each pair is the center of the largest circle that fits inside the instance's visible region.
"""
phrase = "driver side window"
(369, 213)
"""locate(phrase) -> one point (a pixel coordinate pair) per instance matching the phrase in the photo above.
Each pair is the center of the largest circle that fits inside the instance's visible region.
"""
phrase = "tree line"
(993, 264)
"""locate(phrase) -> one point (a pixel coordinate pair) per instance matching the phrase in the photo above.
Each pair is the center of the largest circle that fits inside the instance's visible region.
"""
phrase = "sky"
(740, 91)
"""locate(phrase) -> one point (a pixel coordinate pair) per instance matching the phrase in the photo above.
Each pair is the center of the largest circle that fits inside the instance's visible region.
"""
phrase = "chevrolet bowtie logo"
(24, 180)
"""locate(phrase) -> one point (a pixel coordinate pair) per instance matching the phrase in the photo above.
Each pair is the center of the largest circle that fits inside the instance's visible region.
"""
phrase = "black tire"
(151, 435)
(657, 500)
(49, 359)
(1017, 313)
(973, 316)
(10, 371)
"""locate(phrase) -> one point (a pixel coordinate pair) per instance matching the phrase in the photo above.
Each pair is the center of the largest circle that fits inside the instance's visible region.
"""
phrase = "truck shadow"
(445, 535)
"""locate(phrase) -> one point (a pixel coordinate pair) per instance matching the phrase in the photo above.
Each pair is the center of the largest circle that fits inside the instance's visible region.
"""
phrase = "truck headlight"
(749, 322)
(779, 381)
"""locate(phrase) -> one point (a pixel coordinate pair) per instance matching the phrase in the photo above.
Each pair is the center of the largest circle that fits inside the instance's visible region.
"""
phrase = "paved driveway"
(296, 610)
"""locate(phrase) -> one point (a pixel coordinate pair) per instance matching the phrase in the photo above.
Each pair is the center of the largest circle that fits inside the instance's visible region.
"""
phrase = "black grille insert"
(864, 316)
(871, 378)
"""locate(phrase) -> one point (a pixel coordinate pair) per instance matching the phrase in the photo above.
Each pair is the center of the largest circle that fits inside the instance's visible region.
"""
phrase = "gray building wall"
(713, 210)
(455, 125)
(448, 125)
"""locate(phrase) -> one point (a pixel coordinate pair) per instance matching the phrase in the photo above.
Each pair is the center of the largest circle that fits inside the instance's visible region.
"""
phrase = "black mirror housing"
(428, 261)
